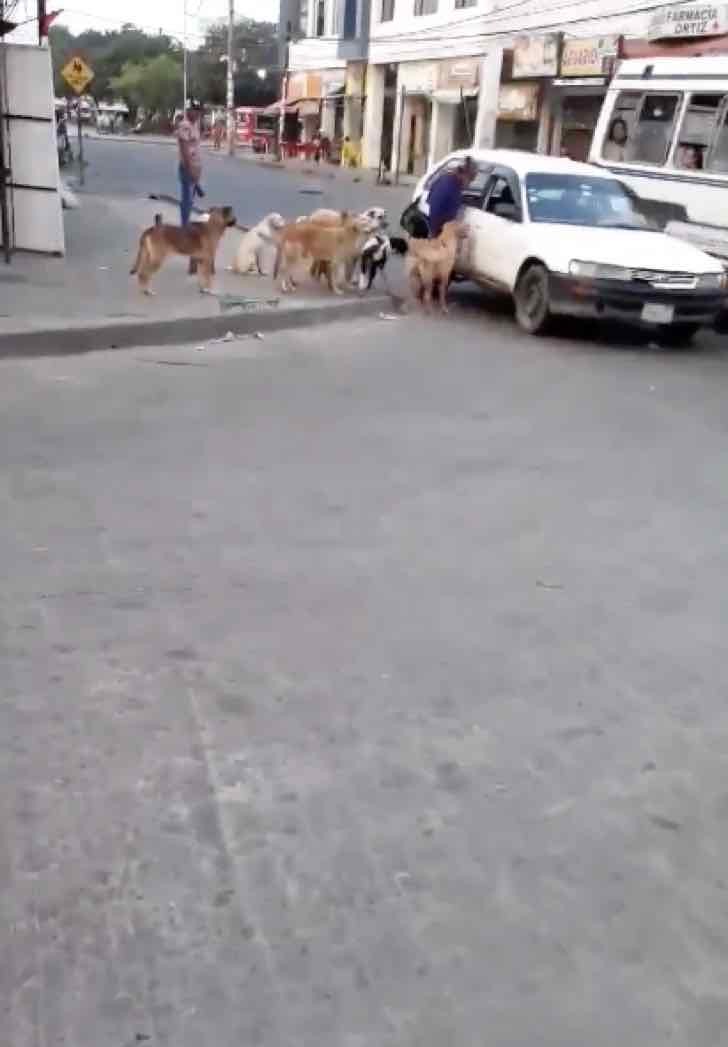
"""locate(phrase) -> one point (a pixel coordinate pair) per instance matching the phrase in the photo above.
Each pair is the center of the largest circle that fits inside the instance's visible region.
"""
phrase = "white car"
(564, 237)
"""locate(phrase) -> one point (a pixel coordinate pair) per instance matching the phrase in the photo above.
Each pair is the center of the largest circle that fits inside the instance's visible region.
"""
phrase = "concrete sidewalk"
(88, 300)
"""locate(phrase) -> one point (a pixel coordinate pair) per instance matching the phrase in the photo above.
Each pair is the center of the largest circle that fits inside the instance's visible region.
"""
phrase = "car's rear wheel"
(678, 334)
(532, 299)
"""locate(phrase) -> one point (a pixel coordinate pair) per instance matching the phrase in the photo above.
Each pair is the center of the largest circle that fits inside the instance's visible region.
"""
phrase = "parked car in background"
(563, 238)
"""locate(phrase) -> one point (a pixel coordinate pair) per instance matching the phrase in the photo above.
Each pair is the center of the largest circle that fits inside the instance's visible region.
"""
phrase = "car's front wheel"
(532, 299)
(678, 334)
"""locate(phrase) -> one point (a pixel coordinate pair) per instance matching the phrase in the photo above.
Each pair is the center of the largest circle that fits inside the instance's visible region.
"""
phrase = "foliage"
(124, 58)
(153, 84)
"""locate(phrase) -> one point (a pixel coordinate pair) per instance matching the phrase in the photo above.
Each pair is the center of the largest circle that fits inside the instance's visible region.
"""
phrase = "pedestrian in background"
(218, 132)
(190, 161)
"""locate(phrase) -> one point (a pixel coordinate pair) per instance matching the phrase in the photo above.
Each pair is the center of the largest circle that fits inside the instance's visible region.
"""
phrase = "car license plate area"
(657, 313)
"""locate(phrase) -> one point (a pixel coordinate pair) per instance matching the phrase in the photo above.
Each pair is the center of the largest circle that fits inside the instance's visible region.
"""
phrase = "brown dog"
(373, 220)
(329, 246)
(430, 263)
(198, 240)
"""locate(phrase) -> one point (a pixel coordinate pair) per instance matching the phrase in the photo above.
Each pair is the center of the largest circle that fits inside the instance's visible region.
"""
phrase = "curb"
(67, 341)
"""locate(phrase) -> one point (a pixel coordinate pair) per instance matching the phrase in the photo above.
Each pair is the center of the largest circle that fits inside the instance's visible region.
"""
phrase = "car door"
(473, 197)
(497, 232)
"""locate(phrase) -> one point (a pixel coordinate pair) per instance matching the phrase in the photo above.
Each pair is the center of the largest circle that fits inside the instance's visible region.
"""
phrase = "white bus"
(663, 131)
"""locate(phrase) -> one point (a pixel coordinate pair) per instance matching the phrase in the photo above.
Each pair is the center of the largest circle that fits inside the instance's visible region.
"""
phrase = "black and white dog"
(374, 256)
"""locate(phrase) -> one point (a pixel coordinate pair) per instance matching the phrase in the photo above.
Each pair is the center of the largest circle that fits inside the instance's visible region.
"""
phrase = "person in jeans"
(190, 161)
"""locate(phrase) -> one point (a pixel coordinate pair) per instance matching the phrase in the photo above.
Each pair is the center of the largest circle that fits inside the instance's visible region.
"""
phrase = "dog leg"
(442, 286)
(205, 271)
(259, 260)
(331, 281)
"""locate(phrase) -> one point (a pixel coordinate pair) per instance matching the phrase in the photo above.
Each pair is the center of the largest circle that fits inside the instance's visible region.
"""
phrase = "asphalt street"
(253, 189)
(365, 685)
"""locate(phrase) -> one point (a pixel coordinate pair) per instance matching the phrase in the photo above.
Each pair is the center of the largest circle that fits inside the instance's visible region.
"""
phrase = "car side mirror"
(508, 211)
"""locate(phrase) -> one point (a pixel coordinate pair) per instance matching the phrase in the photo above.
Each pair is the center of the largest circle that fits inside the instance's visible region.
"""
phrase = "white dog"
(249, 257)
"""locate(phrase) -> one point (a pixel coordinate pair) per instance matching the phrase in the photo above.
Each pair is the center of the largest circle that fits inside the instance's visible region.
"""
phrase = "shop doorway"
(466, 112)
(516, 134)
(388, 108)
(579, 114)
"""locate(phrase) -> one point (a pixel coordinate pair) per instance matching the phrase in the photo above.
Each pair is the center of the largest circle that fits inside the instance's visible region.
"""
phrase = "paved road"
(139, 168)
(366, 689)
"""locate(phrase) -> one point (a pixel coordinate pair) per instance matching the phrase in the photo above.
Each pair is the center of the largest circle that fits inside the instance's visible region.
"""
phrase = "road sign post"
(78, 75)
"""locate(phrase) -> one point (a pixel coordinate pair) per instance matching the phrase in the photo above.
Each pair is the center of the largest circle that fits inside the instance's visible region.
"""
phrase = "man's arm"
(184, 137)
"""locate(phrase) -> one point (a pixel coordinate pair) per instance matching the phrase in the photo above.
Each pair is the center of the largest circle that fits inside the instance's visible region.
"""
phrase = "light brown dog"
(430, 263)
(373, 220)
(325, 246)
(198, 241)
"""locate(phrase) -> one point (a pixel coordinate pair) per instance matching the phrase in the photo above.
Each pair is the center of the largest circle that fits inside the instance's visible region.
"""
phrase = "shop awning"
(451, 95)
(302, 106)
(275, 108)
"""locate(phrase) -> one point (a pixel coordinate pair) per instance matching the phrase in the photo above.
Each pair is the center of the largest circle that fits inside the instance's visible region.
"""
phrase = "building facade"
(415, 79)
(327, 68)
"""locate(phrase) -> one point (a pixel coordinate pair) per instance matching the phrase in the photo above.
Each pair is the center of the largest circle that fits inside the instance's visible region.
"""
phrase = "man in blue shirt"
(446, 195)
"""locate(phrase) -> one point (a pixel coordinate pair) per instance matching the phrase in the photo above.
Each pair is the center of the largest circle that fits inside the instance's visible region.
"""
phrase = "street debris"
(258, 335)
(248, 305)
(548, 585)
(388, 316)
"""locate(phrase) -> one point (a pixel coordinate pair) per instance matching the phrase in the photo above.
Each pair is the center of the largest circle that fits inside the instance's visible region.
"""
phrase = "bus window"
(696, 131)
(718, 158)
(653, 133)
(621, 126)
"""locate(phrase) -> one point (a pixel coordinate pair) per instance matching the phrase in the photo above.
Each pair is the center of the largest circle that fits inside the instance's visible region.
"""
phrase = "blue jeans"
(187, 185)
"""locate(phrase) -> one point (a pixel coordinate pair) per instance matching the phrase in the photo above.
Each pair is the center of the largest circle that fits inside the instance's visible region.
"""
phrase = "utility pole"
(284, 92)
(231, 129)
(184, 63)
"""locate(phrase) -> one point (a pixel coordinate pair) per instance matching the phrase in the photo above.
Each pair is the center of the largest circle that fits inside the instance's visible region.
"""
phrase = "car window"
(473, 193)
(621, 127)
(580, 200)
(696, 131)
(501, 191)
(718, 155)
(650, 143)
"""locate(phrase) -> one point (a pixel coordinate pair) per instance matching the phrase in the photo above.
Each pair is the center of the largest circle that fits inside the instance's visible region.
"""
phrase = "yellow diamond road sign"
(77, 74)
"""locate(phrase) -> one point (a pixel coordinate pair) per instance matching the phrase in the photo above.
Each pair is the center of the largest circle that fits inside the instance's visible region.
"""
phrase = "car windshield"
(578, 200)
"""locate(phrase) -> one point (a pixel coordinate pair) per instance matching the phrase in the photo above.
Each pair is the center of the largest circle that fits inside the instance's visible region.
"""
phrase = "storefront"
(681, 32)
(533, 62)
(455, 106)
(576, 95)
(303, 106)
(518, 116)
(354, 100)
(416, 84)
(332, 104)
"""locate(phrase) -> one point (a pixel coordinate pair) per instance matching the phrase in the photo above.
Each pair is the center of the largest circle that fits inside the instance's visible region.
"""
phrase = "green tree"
(255, 46)
(154, 84)
(106, 53)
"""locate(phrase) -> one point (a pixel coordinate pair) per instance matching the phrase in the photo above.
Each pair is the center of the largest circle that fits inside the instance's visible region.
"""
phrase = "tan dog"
(374, 220)
(328, 246)
(198, 241)
(430, 263)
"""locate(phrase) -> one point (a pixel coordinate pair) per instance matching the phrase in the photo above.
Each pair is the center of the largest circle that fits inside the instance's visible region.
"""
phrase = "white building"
(413, 79)
(327, 67)
(445, 73)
